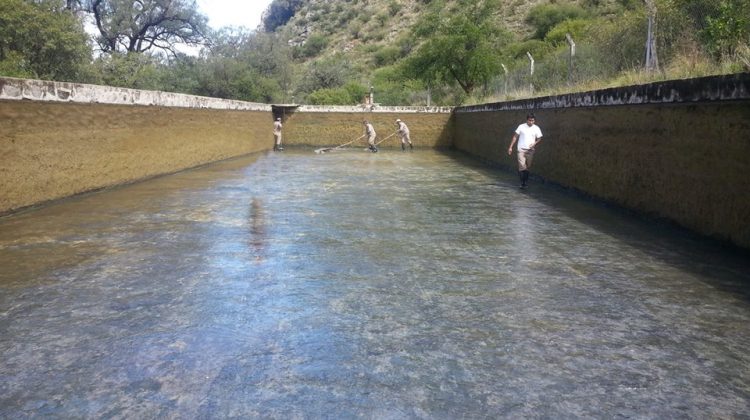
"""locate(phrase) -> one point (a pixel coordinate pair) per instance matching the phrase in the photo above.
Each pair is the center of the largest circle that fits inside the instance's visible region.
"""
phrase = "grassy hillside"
(366, 43)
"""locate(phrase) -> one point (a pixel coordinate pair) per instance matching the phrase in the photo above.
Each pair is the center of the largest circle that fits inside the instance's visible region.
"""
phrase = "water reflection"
(257, 230)
(388, 285)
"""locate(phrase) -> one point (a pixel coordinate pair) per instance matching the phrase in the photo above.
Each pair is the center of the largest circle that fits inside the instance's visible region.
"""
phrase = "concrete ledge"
(41, 90)
(374, 109)
(704, 89)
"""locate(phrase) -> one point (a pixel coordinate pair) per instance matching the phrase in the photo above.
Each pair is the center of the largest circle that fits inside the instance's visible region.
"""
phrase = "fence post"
(505, 80)
(652, 60)
(531, 71)
(570, 59)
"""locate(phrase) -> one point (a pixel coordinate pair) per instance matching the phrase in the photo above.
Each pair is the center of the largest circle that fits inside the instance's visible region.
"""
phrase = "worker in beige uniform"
(277, 135)
(370, 133)
(403, 131)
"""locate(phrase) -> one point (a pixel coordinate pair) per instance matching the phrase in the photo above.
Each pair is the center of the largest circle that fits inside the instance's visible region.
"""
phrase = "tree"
(147, 25)
(329, 73)
(461, 47)
(229, 78)
(41, 41)
(261, 60)
(729, 28)
(129, 70)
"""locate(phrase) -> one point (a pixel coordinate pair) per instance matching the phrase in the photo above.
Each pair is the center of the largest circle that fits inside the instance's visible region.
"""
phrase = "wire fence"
(665, 39)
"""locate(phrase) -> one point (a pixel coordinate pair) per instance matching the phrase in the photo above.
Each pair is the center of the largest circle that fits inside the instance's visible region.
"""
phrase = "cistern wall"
(63, 139)
(677, 150)
(674, 150)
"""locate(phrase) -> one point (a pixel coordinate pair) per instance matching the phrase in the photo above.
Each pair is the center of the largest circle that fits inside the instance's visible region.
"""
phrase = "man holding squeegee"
(403, 131)
(370, 133)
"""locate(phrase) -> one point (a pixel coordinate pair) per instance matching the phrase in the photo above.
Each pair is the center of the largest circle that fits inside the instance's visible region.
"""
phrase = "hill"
(369, 43)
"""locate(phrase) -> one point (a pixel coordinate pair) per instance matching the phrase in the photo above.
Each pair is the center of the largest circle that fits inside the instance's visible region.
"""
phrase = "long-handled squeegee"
(328, 149)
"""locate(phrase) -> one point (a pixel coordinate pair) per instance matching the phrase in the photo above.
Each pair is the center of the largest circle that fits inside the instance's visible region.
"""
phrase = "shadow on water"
(717, 263)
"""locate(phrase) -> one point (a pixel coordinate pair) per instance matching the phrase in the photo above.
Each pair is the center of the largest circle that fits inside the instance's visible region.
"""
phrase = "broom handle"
(386, 138)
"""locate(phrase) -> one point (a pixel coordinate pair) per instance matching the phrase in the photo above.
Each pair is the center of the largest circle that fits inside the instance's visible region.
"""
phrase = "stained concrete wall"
(316, 126)
(54, 145)
(674, 150)
(61, 139)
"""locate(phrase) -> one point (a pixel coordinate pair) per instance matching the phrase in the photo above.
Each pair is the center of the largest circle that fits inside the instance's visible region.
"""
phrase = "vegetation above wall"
(407, 52)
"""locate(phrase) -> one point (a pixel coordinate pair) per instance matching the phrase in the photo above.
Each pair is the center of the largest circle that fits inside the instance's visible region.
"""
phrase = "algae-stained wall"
(60, 139)
(686, 161)
(677, 150)
(315, 127)
(53, 150)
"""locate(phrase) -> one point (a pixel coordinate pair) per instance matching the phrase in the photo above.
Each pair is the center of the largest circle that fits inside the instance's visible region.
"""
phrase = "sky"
(233, 12)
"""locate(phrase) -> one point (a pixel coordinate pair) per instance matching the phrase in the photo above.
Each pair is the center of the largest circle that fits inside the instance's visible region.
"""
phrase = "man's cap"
(278, 119)
(398, 120)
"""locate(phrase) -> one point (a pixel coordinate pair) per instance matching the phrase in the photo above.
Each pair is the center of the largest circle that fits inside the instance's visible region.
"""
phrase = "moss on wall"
(335, 128)
(677, 150)
(688, 163)
(52, 150)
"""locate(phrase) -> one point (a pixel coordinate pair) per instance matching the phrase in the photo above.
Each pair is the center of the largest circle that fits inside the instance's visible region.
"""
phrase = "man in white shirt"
(277, 134)
(528, 136)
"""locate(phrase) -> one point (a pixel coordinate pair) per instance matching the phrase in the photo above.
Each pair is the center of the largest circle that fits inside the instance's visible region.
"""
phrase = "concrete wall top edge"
(374, 109)
(42, 90)
(704, 89)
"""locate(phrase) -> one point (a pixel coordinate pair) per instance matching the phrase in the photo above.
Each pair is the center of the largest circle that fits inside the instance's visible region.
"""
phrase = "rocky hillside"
(363, 28)
(342, 47)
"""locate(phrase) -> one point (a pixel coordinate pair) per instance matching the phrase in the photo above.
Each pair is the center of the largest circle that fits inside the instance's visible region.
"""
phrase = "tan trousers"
(525, 157)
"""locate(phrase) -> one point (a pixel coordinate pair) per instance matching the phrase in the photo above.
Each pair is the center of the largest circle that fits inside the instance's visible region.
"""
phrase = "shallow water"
(352, 284)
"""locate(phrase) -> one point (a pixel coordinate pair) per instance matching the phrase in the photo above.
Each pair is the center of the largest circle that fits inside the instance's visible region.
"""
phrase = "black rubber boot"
(410, 146)
(403, 147)
(524, 178)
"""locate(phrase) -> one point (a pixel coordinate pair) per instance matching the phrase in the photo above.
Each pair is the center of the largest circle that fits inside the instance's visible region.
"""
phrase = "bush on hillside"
(545, 16)
(350, 94)
(312, 47)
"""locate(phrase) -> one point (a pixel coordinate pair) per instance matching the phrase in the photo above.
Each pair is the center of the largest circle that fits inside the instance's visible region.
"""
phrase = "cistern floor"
(363, 285)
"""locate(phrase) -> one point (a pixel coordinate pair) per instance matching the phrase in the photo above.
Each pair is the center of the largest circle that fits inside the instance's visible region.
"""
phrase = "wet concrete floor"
(358, 285)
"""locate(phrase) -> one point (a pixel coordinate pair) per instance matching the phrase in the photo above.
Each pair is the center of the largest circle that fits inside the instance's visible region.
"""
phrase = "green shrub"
(544, 17)
(620, 42)
(350, 94)
(537, 48)
(355, 29)
(382, 18)
(386, 55)
(577, 28)
(314, 45)
(394, 7)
